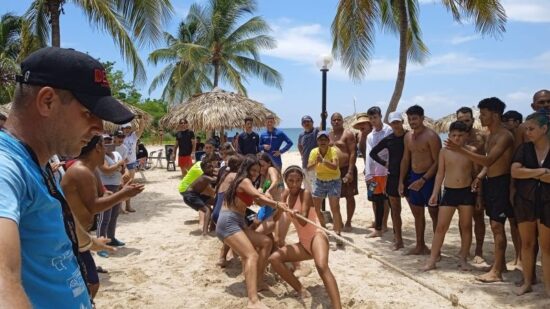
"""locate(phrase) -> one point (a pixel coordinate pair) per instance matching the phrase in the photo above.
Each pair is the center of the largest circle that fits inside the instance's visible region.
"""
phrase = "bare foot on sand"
(490, 277)
(419, 251)
(263, 287)
(347, 227)
(375, 233)
(524, 289)
(222, 263)
(303, 294)
(384, 229)
(397, 245)
(522, 281)
(430, 264)
(463, 265)
(256, 305)
(372, 225)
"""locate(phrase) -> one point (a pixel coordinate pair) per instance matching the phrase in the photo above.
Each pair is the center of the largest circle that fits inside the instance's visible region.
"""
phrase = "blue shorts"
(265, 212)
(132, 166)
(422, 197)
(330, 188)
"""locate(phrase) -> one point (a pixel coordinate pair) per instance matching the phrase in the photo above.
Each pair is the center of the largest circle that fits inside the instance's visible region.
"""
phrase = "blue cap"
(322, 133)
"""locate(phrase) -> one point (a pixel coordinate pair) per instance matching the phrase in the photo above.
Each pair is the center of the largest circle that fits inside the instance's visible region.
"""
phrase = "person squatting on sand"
(455, 172)
(313, 242)
(418, 167)
(52, 113)
(232, 230)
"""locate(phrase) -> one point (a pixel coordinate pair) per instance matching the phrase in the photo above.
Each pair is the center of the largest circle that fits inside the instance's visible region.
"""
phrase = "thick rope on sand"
(453, 298)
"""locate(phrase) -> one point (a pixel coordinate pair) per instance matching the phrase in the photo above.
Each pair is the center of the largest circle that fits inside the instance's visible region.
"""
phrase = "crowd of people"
(49, 206)
(501, 171)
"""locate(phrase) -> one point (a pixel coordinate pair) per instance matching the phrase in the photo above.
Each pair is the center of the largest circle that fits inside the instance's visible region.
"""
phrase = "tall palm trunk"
(54, 8)
(402, 67)
(216, 65)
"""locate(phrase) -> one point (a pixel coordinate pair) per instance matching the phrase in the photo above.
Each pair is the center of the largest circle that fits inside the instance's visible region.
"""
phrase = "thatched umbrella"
(142, 119)
(428, 122)
(217, 110)
(442, 125)
(5, 109)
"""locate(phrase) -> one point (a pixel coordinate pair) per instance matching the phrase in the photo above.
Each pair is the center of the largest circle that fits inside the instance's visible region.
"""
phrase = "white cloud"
(518, 97)
(464, 39)
(534, 11)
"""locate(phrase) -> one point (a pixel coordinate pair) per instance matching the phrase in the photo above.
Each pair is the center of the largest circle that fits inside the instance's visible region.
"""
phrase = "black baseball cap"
(78, 73)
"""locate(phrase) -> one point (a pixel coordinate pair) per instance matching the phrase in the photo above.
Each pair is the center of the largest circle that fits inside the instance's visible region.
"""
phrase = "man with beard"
(475, 139)
(364, 126)
(496, 184)
(344, 141)
(419, 166)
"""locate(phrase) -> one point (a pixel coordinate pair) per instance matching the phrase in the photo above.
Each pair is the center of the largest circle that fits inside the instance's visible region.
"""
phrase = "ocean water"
(293, 134)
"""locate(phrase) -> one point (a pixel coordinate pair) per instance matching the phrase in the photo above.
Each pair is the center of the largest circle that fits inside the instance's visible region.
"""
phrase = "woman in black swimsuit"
(531, 169)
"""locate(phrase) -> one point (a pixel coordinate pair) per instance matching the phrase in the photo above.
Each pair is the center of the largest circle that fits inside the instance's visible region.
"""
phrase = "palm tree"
(129, 22)
(212, 46)
(16, 42)
(354, 25)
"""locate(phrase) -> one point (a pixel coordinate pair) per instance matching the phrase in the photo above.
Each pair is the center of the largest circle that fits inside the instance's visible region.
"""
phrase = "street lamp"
(324, 63)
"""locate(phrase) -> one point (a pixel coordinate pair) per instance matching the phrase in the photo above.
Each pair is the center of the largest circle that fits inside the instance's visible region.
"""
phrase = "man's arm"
(12, 294)
(369, 167)
(405, 161)
(140, 130)
(435, 148)
(503, 142)
(352, 150)
(376, 150)
(288, 142)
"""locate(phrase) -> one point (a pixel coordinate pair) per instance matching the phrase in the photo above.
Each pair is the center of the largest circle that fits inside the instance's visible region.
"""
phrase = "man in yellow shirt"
(324, 159)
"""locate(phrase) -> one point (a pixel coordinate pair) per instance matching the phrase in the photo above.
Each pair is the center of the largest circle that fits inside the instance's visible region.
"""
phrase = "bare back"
(79, 180)
(421, 147)
(501, 145)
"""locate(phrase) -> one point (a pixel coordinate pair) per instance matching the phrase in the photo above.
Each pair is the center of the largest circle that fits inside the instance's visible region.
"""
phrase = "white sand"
(166, 264)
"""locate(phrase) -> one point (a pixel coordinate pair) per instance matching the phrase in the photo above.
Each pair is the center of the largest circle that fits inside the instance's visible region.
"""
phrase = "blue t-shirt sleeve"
(12, 189)
(287, 140)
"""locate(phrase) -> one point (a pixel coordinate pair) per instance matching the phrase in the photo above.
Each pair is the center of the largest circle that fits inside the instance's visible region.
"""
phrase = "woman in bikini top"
(313, 242)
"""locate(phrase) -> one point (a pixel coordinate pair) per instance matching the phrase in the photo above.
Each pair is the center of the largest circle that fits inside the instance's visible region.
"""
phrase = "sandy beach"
(166, 264)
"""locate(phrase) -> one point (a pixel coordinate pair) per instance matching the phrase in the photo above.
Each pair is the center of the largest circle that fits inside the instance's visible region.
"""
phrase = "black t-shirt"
(396, 147)
(142, 152)
(526, 189)
(249, 143)
(185, 144)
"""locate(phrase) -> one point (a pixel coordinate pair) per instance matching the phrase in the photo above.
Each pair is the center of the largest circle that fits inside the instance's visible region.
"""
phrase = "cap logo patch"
(100, 77)
(27, 75)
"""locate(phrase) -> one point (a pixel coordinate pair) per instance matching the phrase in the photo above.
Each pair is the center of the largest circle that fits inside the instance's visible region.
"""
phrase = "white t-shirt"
(131, 144)
(114, 178)
(373, 168)
(123, 151)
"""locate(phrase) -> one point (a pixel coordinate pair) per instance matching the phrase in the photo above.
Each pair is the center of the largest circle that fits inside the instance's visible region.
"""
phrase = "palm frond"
(253, 67)
(38, 21)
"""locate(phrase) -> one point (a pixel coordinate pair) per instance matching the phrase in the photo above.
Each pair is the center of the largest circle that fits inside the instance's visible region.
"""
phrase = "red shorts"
(185, 161)
(380, 184)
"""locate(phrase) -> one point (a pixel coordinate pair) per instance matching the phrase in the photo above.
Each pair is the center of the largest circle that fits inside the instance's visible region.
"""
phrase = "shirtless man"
(344, 141)
(496, 184)
(475, 139)
(82, 191)
(419, 165)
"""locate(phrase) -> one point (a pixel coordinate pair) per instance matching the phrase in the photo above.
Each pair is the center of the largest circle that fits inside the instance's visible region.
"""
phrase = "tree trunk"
(54, 8)
(216, 72)
(402, 67)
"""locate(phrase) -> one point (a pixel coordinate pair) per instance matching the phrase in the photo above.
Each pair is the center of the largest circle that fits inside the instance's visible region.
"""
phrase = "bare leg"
(94, 288)
(444, 220)
(334, 202)
(386, 215)
(465, 214)
(317, 203)
(281, 229)
(544, 240)
(350, 210)
(495, 274)
(264, 244)
(240, 243)
(319, 248)
(289, 253)
(222, 260)
(528, 232)
(127, 204)
(395, 204)
(479, 231)
(207, 213)
(433, 214)
(419, 226)
(516, 240)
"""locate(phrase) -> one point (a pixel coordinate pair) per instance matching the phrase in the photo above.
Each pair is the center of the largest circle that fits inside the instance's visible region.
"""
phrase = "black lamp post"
(324, 63)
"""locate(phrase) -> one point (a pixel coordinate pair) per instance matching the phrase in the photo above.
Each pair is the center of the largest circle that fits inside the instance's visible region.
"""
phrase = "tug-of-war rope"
(453, 298)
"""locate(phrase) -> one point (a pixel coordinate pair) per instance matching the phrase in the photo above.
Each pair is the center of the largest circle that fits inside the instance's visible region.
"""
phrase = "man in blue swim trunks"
(418, 169)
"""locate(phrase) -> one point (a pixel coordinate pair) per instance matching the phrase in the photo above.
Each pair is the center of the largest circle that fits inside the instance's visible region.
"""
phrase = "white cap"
(395, 116)
(126, 125)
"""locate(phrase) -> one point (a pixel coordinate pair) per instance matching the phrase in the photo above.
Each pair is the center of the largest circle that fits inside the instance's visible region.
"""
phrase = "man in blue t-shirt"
(271, 141)
(59, 102)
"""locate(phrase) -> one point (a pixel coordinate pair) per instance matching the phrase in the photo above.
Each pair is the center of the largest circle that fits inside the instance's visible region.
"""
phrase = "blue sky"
(462, 68)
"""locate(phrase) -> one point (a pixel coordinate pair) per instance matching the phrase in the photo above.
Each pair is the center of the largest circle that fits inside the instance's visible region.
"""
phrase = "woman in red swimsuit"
(232, 230)
(313, 242)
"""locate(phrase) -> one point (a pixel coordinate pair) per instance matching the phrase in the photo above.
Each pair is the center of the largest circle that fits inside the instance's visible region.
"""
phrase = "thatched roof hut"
(442, 125)
(428, 122)
(142, 119)
(217, 110)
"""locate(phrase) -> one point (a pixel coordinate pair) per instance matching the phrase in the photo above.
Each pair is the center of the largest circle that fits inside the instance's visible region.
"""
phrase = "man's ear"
(44, 100)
